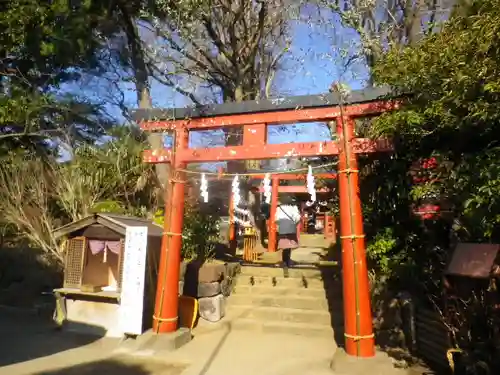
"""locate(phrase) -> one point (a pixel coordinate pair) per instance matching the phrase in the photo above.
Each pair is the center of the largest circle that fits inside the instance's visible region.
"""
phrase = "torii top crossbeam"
(255, 116)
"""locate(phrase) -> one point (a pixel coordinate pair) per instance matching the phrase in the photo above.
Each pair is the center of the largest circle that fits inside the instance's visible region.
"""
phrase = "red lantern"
(430, 163)
(428, 211)
(422, 173)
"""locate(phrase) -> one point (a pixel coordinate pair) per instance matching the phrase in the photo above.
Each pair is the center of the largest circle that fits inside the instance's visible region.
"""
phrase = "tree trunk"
(144, 101)
(415, 24)
(232, 138)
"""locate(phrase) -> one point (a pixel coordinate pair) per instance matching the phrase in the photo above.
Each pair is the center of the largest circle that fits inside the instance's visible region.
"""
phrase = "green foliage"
(393, 233)
(449, 83)
(381, 250)
(453, 78)
(200, 232)
(115, 207)
(108, 177)
(453, 82)
(477, 179)
(38, 195)
(43, 45)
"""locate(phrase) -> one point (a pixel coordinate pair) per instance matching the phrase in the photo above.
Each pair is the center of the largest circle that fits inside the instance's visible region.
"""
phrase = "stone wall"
(211, 283)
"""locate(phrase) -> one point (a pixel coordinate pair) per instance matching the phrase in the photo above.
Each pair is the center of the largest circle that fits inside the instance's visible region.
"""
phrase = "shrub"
(199, 233)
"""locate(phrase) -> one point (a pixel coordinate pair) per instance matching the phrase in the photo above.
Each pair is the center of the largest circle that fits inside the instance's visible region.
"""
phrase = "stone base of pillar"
(380, 364)
(152, 343)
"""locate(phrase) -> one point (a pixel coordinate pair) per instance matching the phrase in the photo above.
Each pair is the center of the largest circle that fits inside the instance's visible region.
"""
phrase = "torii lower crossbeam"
(258, 149)
(254, 117)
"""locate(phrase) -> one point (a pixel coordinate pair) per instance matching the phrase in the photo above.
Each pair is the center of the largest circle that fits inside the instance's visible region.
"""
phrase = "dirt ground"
(31, 346)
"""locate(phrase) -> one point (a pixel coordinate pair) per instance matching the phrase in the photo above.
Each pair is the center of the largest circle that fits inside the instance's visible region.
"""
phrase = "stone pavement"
(30, 347)
(224, 350)
(34, 349)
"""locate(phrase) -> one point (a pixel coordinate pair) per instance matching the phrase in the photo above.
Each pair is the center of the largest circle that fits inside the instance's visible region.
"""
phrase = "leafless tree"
(229, 50)
(232, 47)
(382, 23)
(25, 201)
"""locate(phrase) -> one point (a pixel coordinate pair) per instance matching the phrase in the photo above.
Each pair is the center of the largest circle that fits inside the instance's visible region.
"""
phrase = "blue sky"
(310, 67)
(313, 63)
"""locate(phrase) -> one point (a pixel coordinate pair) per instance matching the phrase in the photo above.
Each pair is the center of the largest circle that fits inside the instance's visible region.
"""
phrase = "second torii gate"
(276, 188)
(254, 117)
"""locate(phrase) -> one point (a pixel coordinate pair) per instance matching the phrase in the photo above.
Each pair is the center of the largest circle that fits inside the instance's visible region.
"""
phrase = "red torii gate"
(255, 117)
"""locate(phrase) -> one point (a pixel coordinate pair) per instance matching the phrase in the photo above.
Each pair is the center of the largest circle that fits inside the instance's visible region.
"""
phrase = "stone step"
(293, 302)
(272, 314)
(314, 241)
(309, 272)
(279, 280)
(302, 255)
(287, 291)
(300, 329)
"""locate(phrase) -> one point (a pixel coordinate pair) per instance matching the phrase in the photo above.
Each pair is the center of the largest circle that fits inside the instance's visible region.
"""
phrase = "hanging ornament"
(241, 211)
(236, 191)
(267, 188)
(310, 186)
(244, 223)
(204, 188)
(245, 217)
(105, 255)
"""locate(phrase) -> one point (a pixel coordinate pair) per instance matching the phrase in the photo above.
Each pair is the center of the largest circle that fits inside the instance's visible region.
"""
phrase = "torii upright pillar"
(359, 338)
(273, 232)
(165, 318)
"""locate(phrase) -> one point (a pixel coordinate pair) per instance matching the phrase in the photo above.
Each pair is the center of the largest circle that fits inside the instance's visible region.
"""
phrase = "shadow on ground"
(118, 366)
(332, 282)
(26, 337)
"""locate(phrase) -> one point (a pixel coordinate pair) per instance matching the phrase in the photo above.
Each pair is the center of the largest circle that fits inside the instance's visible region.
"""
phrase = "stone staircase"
(307, 302)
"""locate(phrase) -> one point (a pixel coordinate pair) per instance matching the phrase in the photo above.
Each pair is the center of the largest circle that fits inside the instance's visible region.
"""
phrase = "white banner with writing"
(134, 270)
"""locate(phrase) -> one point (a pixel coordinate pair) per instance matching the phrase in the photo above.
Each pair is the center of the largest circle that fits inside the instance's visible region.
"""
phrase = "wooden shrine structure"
(254, 117)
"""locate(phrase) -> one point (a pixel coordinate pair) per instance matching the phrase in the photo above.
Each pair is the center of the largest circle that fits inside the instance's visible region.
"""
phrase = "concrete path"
(225, 351)
(31, 347)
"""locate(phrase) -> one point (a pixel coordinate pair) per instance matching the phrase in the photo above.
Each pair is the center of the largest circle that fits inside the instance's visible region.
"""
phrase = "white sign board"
(134, 270)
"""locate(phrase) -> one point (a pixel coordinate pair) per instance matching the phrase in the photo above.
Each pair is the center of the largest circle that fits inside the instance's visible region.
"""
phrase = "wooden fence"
(432, 338)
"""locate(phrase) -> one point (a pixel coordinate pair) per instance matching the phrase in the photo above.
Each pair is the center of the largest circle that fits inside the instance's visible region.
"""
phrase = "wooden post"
(167, 294)
(273, 235)
(359, 338)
